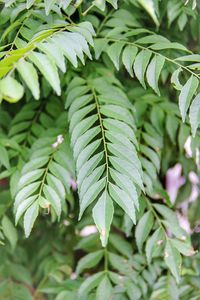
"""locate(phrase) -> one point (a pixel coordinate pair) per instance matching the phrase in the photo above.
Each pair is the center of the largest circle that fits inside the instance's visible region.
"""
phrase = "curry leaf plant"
(99, 149)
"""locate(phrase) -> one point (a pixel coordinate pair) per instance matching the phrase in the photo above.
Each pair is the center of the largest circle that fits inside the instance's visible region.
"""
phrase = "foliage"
(99, 99)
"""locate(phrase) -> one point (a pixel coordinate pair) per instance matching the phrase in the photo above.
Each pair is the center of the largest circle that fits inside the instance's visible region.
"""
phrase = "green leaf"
(140, 65)
(29, 75)
(121, 244)
(153, 72)
(101, 4)
(89, 261)
(89, 284)
(9, 231)
(29, 177)
(29, 3)
(91, 195)
(123, 200)
(183, 247)
(152, 155)
(99, 46)
(54, 53)
(104, 290)
(120, 127)
(143, 229)
(175, 79)
(48, 69)
(114, 52)
(52, 196)
(154, 241)
(86, 153)
(103, 214)
(48, 5)
(25, 193)
(30, 217)
(173, 259)
(125, 184)
(186, 95)
(117, 112)
(88, 167)
(22, 207)
(90, 180)
(194, 114)
(4, 158)
(149, 6)
(128, 58)
(124, 167)
(82, 127)
(113, 3)
(11, 90)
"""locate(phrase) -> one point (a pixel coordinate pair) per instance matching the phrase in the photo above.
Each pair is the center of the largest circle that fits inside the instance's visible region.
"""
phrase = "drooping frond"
(105, 150)
(45, 52)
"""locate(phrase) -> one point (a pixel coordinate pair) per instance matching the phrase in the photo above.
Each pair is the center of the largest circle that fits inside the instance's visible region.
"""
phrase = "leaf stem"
(103, 134)
(157, 53)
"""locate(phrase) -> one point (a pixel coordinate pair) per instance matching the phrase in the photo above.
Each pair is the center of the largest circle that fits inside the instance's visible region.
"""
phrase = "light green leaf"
(128, 58)
(114, 52)
(57, 185)
(25, 193)
(121, 245)
(82, 127)
(117, 112)
(9, 231)
(123, 200)
(125, 184)
(101, 4)
(89, 284)
(89, 261)
(120, 127)
(48, 69)
(124, 167)
(48, 5)
(104, 290)
(84, 140)
(54, 53)
(30, 217)
(175, 79)
(89, 180)
(66, 47)
(186, 95)
(99, 46)
(103, 214)
(29, 177)
(88, 167)
(113, 2)
(22, 207)
(140, 65)
(29, 75)
(79, 115)
(149, 6)
(11, 90)
(154, 241)
(4, 158)
(91, 195)
(86, 153)
(152, 155)
(29, 3)
(194, 114)
(183, 247)
(52, 196)
(153, 72)
(173, 260)
(143, 229)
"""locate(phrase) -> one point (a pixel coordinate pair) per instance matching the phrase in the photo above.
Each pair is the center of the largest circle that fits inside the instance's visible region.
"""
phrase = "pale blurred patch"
(174, 181)
(87, 230)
